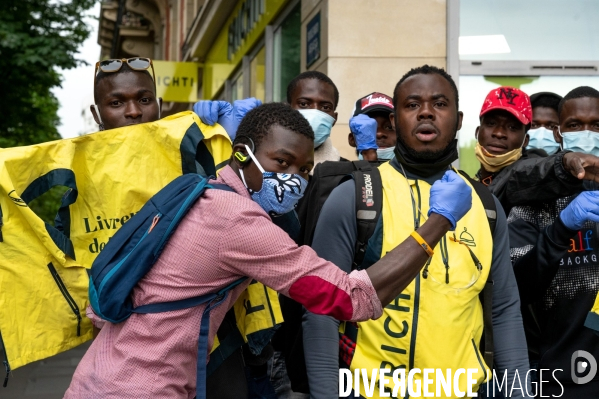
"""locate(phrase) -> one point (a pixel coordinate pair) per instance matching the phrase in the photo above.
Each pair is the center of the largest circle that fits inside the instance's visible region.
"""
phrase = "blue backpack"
(134, 249)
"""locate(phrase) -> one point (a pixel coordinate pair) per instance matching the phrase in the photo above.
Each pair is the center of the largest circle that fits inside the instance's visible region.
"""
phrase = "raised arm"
(539, 179)
(272, 258)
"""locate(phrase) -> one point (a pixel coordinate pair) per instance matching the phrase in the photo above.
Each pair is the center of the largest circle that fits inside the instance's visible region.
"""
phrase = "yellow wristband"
(427, 248)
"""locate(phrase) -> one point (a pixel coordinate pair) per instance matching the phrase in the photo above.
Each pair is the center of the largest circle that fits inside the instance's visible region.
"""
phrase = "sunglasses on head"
(136, 63)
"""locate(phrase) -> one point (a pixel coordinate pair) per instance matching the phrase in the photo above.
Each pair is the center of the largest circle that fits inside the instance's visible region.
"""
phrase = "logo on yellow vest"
(467, 238)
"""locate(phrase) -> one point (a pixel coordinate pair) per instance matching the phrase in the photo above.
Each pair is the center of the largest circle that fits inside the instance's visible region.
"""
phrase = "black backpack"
(327, 175)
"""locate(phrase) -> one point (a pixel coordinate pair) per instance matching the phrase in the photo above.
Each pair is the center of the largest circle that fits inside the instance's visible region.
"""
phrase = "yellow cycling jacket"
(257, 315)
(437, 321)
(109, 176)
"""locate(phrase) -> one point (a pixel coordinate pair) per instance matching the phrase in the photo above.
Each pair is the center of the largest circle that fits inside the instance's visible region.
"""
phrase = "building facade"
(255, 47)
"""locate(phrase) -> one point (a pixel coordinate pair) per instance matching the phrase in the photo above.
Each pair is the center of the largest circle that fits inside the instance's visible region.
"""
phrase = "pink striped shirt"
(223, 237)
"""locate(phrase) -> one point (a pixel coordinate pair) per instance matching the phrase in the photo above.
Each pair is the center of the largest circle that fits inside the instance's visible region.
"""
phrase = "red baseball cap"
(509, 99)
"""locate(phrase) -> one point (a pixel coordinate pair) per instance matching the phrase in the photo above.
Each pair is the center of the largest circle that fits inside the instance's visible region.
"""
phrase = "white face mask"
(382, 154)
(585, 141)
(542, 138)
(385, 153)
(321, 124)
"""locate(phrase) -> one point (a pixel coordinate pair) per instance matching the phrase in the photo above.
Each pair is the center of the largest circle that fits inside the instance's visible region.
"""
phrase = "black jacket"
(557, 271)
(531, 179)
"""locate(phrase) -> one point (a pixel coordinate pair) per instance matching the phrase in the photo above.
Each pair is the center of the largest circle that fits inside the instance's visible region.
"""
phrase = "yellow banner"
(177, 81)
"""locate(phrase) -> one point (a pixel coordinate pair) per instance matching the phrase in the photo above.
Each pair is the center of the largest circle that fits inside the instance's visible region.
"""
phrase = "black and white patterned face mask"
(280, 192)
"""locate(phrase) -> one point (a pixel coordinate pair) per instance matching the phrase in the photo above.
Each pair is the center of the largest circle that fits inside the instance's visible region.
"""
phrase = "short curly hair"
(427, 70)
(579, 92)
(545, 100)
(312, 75)
(257, 123)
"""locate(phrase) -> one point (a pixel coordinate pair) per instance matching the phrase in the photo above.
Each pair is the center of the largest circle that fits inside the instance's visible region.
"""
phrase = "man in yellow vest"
(226, 235)
(437, 321)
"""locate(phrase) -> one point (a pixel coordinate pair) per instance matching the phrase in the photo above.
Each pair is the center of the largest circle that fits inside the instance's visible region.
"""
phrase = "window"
(258, 75)
(272, 63)
(534, 45)
(286, 59)
(516, 30)
(237, 88)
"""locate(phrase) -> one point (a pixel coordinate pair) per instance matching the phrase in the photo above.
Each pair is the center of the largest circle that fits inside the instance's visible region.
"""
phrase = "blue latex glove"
(364, 129)
(450, 197)
(582, 208)
(230, 121)
(210, 111)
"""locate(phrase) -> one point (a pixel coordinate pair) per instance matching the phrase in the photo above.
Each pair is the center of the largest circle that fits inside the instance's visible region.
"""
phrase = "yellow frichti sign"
(177, 81)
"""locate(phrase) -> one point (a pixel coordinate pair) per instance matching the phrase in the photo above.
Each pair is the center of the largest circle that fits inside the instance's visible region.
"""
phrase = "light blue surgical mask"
(382, 154)
(385, 154)
(279, 193)
(321, 124)
(542, 138)
(584, 141)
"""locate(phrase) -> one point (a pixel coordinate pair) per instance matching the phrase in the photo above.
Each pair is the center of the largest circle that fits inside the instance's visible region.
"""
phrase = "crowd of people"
(497, 272)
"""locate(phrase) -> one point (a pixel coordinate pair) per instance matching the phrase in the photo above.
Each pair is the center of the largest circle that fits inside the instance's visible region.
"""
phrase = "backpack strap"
(213, 301)
(188, 302)
(486, 198)
(369, 203)
(362, 165)
(223, 187)
(486, 296)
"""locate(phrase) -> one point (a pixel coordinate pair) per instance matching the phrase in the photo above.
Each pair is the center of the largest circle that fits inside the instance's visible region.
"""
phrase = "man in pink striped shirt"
(227, 235)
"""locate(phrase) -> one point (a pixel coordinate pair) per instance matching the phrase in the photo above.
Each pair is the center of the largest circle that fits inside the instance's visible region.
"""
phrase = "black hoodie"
(557, 271)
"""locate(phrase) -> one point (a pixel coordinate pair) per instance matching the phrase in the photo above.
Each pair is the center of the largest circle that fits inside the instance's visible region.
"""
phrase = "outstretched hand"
(581, 165)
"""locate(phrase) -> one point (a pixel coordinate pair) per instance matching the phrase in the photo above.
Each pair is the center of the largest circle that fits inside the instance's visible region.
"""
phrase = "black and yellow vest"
(437, 321)
(109, 176)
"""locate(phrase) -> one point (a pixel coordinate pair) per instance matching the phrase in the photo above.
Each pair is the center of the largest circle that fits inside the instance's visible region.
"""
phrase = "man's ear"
(526, 139)
(556, 136)
(335, 116)
(92, 108)
(392, 119)
(160, 105)
(240, 155)
(476, 133)
(460, 119)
